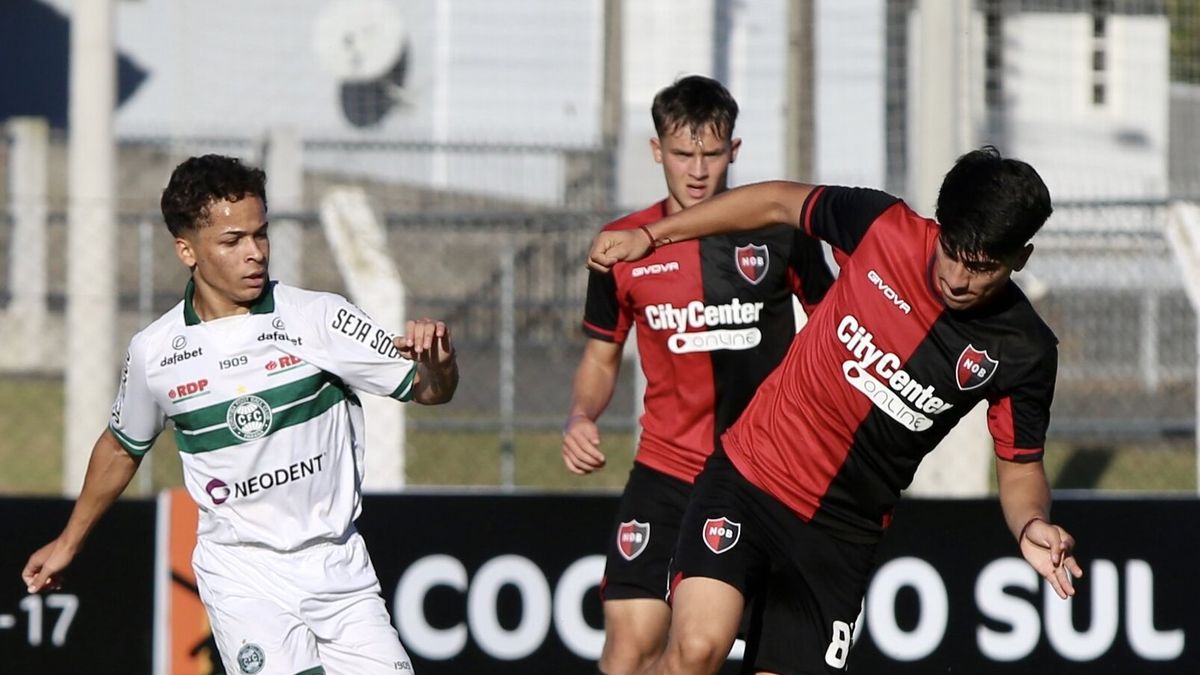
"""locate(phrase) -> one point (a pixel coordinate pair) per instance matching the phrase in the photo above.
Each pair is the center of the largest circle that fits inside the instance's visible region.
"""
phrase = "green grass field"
(31, 455)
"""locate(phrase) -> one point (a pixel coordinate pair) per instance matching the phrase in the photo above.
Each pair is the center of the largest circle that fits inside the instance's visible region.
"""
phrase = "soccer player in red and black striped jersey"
(713, 318)
(923, 322)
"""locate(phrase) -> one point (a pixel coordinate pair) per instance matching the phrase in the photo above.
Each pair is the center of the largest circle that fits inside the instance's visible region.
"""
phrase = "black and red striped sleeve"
(808, 273)
(842, 215)
(604, 317)
(1019, 417)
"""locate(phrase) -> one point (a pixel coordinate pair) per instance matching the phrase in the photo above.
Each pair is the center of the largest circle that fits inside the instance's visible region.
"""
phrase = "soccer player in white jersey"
(259, 381)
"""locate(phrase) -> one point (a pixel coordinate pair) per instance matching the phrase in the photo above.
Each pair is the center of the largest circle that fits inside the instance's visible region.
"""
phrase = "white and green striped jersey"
(266, 420)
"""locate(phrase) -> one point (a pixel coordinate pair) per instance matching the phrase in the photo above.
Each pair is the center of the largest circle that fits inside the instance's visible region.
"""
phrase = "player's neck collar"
(265, 304)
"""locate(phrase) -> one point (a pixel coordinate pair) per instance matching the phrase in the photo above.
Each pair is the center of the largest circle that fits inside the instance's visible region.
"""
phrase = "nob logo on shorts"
(251, 659)
(632, 538)
(249, 417)
(721, 534)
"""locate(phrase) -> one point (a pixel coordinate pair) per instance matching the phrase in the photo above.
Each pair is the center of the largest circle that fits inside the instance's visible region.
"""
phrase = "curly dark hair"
(199, 182)
(696, 102)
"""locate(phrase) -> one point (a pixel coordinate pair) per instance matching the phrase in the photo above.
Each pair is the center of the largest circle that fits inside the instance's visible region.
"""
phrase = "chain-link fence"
(490, 235)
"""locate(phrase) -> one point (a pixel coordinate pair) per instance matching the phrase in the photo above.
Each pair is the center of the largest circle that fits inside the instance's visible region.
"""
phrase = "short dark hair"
(696, 102)
(990, 206)
(199, 182)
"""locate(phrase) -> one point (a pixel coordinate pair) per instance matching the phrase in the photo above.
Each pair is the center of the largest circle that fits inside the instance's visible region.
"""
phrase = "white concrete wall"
(850, 80)
(1083, 150)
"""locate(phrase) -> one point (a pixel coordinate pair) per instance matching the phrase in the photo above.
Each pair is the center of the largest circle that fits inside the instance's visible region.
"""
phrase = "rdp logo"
(189, 389)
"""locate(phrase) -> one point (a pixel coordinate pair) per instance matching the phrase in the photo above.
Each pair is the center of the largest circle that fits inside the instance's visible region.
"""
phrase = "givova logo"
(889, 292)
(656, 268)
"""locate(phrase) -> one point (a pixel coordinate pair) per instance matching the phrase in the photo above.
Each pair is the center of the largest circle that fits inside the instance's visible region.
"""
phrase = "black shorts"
(812, 584)
(643, 536)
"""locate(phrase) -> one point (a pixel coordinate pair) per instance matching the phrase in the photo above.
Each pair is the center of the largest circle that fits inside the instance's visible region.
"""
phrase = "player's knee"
(696, 653)
(625, 664)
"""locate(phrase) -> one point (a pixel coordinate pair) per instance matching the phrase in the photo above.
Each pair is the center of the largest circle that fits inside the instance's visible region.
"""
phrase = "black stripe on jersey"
(737, 374)
(883, 457)
(810, 268)
(842, 215)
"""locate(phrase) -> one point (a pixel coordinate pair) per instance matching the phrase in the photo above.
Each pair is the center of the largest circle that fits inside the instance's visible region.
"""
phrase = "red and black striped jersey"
(714, 316)
(883, 371)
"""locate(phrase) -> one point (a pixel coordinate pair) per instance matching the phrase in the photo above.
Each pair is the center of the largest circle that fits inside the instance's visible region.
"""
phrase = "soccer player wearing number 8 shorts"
(712, 318)
(923, 323)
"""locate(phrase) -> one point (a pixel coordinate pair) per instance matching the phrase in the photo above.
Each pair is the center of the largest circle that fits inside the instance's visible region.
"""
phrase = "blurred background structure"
(492, 140)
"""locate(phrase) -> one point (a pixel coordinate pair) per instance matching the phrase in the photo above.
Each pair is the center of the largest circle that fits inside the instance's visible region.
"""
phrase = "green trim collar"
(265, 304)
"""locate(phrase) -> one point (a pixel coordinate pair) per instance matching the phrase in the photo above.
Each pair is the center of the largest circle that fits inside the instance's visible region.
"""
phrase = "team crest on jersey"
(632, 538)
(751, 262)
(249, 417)
(721, 534)
(251, 659)
(974, 368)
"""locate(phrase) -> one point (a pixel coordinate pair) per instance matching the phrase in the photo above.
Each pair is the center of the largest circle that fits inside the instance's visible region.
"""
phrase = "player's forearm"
(595, 383)
(109, 471)
(749, 207)
(436, 383)
(1024, 493)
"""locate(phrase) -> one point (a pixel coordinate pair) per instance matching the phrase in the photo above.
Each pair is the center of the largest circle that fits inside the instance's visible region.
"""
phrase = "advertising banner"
(508, 584)
(102, 619)
(501, 583)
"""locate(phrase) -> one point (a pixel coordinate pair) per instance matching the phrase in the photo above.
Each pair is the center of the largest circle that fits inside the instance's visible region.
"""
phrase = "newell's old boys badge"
(632, 538)
(751, 262)
(721, 534)
(975, 368)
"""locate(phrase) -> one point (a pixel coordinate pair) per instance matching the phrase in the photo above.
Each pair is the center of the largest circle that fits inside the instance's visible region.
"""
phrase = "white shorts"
(307, 612)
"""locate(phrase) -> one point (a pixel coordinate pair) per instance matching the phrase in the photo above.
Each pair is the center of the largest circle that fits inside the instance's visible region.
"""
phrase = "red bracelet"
(1021, 537)
(649, 236)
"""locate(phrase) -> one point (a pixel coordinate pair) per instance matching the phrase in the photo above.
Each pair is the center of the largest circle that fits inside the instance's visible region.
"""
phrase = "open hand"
(1050, 550)
(426, 341)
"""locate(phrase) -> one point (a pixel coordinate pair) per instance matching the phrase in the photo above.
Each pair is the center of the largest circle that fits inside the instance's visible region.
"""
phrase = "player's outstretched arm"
(749, 207)
(1025, 498)
(428, 343)
(108, 474)
(595, 381)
